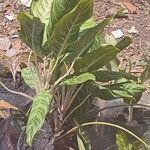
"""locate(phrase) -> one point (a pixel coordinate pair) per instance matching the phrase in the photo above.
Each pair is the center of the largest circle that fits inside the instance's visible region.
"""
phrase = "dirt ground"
(141, 20)
(134, 53)
(132, 58)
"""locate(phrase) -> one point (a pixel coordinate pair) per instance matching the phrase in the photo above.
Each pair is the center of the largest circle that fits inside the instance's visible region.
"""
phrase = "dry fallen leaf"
(129, 6)
(6, 105)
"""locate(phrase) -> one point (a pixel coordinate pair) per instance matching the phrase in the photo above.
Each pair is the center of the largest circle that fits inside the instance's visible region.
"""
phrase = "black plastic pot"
(5, 140)
(42, 140)
(104, 137)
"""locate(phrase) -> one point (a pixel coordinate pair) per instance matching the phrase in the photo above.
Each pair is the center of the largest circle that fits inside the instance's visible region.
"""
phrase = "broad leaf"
(107, 75)
(96, 59)
(88, 38)
(26, 22)
(125, 42)
(41, 9)
(58, 10)
(32, 30)
(78, 79)
(88, 24)
(129, 91)
(146, 73)
(83, 139)
(80, 143)
(40, 108)
(37, 35)
(123, 142)
(27, 75)
(67, 29)
(113, 65)
(110, 39)
(101, 92)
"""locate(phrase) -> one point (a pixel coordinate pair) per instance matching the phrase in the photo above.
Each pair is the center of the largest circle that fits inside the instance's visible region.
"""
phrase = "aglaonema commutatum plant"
(69, 68)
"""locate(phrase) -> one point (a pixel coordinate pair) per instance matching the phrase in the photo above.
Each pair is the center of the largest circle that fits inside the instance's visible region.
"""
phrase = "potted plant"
(68, 70)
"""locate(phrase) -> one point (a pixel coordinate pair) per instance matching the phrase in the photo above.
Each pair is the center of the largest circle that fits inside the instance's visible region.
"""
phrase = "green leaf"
(122, 142)
(26, 73)
(80, 143)
(96, 59)
(101, 92)
(37, 35)
(59, 9)
(40, 108)
(125, 42)
(67, 29)
(129, 91)
(146, 73)
(88, 24)
(88, 38)
(110, 39)
(26, 22)
(78, 79)
(96, 43)
(32, 30)
(83, 139)
(107, 75)
(113, 65)
(41, 9)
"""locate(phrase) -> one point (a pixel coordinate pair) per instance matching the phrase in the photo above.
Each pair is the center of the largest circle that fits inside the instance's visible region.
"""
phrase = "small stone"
(117, 34)
(15, 36)
(10, 16)
(125, 12)
(26, 3)
(11, 52)
(133, 31)
(4, 43)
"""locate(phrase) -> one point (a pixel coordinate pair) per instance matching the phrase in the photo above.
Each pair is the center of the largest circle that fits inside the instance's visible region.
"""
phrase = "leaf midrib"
(98, 59)
(67, 37)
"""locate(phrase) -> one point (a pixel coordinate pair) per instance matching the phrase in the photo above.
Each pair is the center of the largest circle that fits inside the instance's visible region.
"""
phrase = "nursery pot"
(42, 140)
(5, 140)
(104, 137)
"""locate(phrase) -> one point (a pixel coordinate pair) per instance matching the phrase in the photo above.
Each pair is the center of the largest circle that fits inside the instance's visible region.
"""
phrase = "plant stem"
(38, 73)
(50, 73)
(66, 74)
(70, 101)
(74, 110)
(130, 108)
(103, 123)
(15, 92)
(32, 71)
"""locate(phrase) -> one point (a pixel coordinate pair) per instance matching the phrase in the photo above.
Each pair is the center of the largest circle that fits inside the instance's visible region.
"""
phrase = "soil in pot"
(104, 137)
